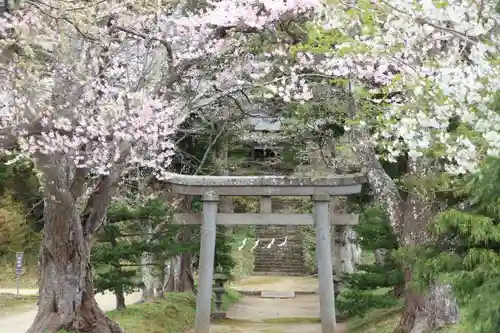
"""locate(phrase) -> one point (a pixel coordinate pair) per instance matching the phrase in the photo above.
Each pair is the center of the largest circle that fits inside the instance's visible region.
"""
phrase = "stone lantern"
(220, 279)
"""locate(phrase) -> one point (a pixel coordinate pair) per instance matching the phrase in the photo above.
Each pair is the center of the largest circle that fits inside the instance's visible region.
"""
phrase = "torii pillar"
(319, 189)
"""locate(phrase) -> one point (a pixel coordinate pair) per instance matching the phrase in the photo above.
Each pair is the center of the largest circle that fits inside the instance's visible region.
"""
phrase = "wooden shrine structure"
(211, 188)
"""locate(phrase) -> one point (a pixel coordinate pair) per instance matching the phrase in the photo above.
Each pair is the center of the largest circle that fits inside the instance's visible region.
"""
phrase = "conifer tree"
(465, 250)
(116, 258)
(223, 247)
(362, 288)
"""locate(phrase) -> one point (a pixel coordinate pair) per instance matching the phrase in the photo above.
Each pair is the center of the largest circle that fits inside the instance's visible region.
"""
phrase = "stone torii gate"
(319, 189)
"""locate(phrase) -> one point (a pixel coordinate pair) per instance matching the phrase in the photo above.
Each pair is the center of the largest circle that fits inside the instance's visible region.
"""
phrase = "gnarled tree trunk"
(438, 307)
(66, 290)
(148, 279)
(343, 254)
(181, 271)
(181, 278)
(409, 219)
(380, 256)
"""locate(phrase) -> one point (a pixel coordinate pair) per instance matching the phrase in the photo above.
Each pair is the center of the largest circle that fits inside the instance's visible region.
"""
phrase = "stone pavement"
(255, 314)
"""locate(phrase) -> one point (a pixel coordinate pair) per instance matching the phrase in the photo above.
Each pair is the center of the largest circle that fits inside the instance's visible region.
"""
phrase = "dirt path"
(254, 314)
(21, 321)
(277, 283)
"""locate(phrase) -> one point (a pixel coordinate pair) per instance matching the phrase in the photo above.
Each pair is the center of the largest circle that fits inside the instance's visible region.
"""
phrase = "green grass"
(376, 321)
(386, 320)
(28, 280)
(174, 314)
(12, 303)
(453, 329)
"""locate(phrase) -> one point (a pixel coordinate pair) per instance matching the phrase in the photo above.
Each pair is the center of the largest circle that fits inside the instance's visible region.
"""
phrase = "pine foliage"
(117, 255)
(465, 251)
(370, 287)
(223, 259)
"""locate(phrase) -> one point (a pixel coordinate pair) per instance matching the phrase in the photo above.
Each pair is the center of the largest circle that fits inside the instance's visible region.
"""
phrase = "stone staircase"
(287, 260)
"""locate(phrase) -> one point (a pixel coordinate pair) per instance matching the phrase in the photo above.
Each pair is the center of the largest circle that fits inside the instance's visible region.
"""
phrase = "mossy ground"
(386, 320)
(377, 321)
(11, 303)
(173, 314)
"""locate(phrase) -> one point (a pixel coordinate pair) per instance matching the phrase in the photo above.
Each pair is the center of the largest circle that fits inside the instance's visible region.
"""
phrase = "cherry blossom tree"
(79, 99)
(91, 90)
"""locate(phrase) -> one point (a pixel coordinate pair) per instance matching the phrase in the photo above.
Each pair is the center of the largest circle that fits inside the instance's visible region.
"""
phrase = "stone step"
(263, 246)
(279, 254)
(276, 226)
(277, 265)
(295, 266)
(282, 264)
(257, 273)
(275, 248)
(280, 232)
(283, 256)
(291, 236)
(284, 270)
(278, 260)
(278, 269)
(277, 294)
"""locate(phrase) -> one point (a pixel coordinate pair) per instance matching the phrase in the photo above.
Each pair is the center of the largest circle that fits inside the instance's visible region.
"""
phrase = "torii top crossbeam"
(212, 187)
(336, 185)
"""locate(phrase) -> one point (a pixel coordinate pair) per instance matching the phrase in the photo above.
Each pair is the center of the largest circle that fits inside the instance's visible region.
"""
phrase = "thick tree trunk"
(342, 252)
(344, 261)
(437, 307)
(66, 291)
(148, 278)
(430, 312)
(164, 275)
(120, 299)
(409, 219)
(356, 254)
(180, 278)
(380, 256)
(173, 275)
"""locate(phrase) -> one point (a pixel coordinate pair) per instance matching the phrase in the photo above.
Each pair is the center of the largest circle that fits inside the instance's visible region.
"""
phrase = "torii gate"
(319, 189)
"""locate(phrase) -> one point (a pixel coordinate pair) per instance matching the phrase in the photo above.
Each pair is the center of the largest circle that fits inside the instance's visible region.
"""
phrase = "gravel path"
(20, 322)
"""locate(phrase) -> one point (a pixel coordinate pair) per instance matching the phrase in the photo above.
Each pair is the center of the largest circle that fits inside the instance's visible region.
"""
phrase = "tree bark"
(66, 290)
(342, 244)
(173, 275)
(148, 279)
(120, 299)
(180, 278)
(380, 256)
(409, 219)
(344, 261)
